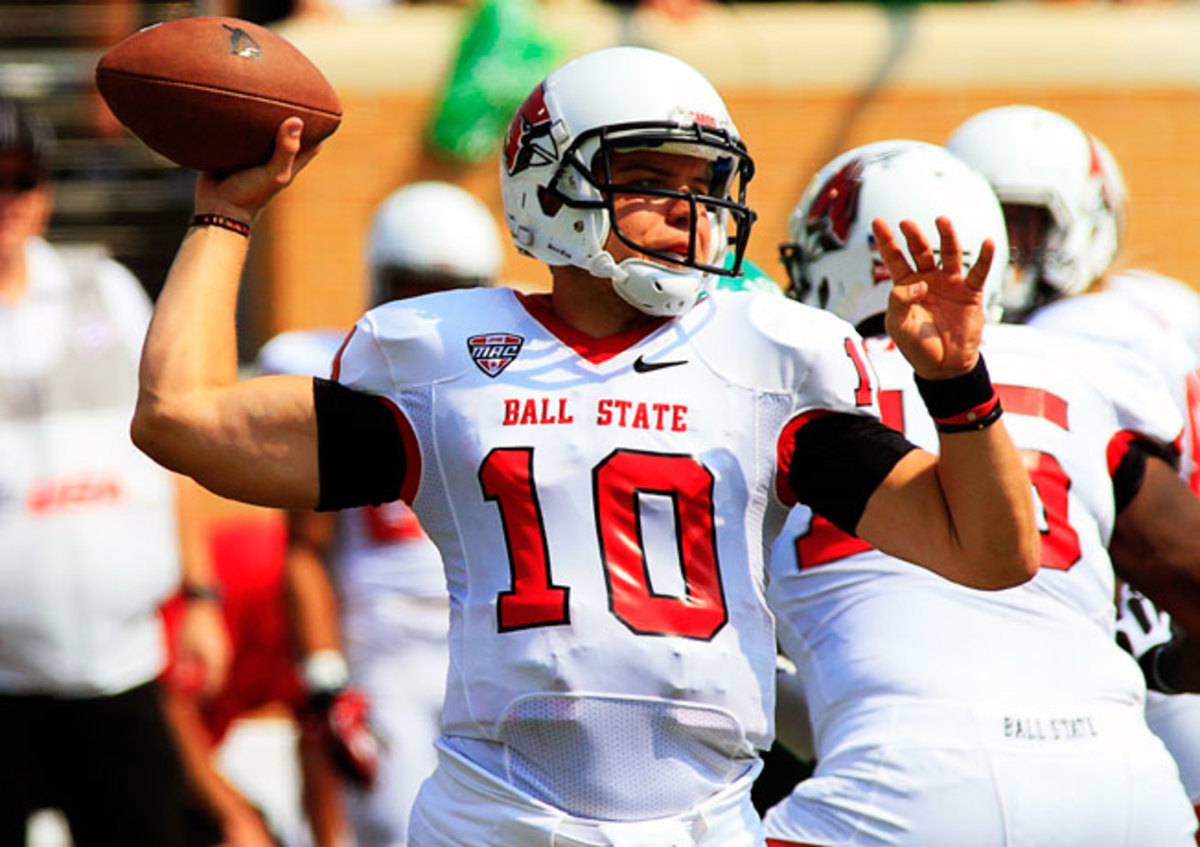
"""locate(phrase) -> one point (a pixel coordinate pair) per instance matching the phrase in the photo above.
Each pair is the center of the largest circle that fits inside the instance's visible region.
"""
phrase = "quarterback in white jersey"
(1065, 205)
(942, 715)
(601, 476)
(679, 461)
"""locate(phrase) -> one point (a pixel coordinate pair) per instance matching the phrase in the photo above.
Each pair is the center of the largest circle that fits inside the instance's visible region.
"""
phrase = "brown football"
(210, 92)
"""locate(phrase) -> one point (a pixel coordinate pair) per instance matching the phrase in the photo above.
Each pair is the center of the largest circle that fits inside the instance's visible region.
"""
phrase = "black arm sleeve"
(1130, 470)
(360, 452)
(838, 462)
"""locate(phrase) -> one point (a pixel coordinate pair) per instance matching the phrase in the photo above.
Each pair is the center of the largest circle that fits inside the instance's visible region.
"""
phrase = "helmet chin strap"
(650, 287)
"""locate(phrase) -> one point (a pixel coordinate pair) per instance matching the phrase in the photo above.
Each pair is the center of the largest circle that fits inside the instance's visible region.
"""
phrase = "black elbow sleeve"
(360, 451)
(838, 462)
(1128, 454)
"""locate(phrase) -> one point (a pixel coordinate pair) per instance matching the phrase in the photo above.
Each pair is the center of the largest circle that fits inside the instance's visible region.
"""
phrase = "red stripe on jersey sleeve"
(1022, 400)
(1118, 447)
(336, 369)
(412, 452)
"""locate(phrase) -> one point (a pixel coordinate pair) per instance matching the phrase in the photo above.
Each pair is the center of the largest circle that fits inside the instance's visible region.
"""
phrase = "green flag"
(503, 54)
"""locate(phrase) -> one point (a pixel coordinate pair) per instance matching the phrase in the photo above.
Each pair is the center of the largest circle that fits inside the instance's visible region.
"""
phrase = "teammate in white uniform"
(1065, 204)
(601, 477)
(391, 591)
(942, 715)
(88, 538)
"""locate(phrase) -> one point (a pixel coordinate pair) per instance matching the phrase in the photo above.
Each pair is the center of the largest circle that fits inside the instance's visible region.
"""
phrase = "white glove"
(1140, 624)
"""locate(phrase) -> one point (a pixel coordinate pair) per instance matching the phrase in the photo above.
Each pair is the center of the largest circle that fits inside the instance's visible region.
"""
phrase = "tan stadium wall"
(803, 83)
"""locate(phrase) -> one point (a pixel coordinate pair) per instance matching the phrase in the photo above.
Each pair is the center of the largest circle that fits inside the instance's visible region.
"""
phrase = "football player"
(1065, 201)
(601, 478)
(387, 600)
(942, 715)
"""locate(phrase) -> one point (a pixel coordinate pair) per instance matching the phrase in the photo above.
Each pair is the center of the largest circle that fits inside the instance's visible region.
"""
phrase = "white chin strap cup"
(652, 288)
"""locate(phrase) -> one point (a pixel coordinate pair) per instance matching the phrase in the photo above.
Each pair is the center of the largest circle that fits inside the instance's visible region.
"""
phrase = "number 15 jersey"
(603, 508)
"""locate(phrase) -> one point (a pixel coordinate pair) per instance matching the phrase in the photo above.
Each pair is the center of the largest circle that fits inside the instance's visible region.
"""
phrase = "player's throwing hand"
(243, 194)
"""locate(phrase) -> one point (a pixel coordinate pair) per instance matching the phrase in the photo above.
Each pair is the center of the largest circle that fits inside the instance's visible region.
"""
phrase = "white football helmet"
(555, 171)
(431, 230)
(832, 261)
(1034, 157)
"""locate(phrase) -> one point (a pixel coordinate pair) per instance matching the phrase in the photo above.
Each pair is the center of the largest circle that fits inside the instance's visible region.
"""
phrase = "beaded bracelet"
(232, 224)
(966, 403)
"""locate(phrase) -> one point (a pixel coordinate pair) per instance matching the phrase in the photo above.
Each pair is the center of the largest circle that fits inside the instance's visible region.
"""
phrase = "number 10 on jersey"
(618, 482)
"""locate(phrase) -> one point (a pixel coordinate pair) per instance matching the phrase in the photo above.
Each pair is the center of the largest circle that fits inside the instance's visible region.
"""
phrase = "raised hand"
(935, 312)
(242, 195)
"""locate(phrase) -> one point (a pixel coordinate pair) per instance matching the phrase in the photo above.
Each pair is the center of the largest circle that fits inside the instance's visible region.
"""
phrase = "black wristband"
(223, 222)
(966, 403)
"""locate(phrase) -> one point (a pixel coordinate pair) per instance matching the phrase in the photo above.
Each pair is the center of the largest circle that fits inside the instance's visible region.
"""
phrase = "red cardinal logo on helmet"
(1096, 170)
(528, 142)
(835, 208)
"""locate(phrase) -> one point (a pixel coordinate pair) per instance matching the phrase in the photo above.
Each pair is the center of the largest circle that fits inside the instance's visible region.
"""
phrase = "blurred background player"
(388, 588)
(232, 802)
(944, 716)
(1065, 204)
(90, 542)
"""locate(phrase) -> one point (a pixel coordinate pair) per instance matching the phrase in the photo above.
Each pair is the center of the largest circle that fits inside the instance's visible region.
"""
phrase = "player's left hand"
(204, 648)
(1140, 624)
(935, 311)
(339, 721)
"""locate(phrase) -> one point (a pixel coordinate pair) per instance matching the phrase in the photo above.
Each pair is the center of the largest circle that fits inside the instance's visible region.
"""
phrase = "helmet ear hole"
(823, 292)
(549, 201)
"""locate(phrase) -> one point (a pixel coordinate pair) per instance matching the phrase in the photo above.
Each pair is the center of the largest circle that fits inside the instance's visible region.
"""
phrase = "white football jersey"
(864, 627)
(1121, 316)
(604, 508)
(88, 538)
(1158, 318)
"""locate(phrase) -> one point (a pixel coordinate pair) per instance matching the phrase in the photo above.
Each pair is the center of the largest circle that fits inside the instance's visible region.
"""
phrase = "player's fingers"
(951, 251)
(890, 254)
(979, 271)
(918, 247)
(908, 295)
(287, 147)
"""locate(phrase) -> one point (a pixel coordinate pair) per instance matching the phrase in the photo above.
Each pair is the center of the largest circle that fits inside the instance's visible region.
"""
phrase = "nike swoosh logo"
(642, 366)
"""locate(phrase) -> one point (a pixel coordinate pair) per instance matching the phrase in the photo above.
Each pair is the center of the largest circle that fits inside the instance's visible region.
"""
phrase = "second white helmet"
(1035, 157)
(832, 261)
(556, 166)
(433, 228)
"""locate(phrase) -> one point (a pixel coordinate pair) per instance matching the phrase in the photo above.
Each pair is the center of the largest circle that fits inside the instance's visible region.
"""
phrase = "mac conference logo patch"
(494, 351)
